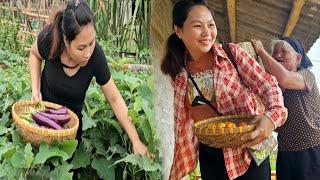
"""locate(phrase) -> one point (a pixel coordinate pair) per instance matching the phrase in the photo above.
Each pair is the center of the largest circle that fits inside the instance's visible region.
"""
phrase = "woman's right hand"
(36, 96)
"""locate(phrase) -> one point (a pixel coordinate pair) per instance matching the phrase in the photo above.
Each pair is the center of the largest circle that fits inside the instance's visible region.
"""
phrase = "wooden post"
(231, 7)
(294, 16)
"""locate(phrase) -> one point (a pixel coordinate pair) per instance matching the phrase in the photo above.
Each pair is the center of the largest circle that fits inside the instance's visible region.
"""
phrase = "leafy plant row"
(104, 151)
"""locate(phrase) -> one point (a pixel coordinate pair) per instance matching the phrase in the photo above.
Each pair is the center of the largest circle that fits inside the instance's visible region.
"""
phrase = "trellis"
(31, 15)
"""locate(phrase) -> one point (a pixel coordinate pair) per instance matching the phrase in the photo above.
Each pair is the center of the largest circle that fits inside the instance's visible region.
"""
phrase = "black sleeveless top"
(58, 87)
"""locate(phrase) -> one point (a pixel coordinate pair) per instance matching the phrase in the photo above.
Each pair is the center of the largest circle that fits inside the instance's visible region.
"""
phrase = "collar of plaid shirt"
(237, 160)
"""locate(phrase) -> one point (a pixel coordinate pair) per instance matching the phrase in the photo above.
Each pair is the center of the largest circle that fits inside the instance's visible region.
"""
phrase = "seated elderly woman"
(299, 138)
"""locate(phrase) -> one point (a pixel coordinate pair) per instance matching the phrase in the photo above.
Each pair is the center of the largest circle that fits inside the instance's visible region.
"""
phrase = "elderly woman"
(299, 137)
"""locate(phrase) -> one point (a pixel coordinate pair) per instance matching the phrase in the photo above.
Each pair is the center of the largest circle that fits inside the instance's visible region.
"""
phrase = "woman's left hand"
(141, 149)
(264, 128)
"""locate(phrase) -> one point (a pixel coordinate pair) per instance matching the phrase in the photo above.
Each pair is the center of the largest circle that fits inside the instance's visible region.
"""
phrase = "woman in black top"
(72, 58)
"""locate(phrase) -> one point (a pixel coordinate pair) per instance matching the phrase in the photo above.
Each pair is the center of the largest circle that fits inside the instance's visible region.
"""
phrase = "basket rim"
(223, 131)
(18, 120)
(242, 116)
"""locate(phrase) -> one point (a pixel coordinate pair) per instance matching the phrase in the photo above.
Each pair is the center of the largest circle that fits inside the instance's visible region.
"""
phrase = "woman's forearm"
(120, 109)
(34, 69)
(34, 65)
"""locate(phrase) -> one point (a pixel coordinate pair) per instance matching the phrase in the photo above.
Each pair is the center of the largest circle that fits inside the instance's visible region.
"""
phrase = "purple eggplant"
(62, 110)
(42, 120)
(59, 118)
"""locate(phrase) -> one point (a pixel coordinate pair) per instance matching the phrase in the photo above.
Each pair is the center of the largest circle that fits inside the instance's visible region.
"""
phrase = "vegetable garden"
(104, 151)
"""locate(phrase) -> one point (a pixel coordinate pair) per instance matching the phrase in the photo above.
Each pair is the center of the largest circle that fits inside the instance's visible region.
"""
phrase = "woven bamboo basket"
(35, 135)
(222, 137)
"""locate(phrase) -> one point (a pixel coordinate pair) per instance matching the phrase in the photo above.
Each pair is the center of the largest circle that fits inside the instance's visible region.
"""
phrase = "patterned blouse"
(232, 97)
(302, 128)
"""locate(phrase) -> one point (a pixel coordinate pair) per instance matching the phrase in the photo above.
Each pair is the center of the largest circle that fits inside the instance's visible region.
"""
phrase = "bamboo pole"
(294, 16)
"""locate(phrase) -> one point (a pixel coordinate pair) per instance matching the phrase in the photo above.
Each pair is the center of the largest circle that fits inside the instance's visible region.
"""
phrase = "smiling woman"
(201, 71)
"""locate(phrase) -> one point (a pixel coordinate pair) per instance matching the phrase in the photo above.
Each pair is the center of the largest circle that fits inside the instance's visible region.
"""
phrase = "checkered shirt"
(233, 96)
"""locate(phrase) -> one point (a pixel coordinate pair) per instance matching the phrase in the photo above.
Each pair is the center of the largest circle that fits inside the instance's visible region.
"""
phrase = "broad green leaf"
(17, 160)
(80, 159)
(149, 166)
(17, 139)
(88, 122)
(104, 168)
(132, 82)
(116, 125)
(68, 146)
(28, 155)
(4, 149)
(62, 172)
(137, 105)
(98, 145)
(117, 149)
(5, 119)
(147, 110)
(4, 130)
(147, 132)
(43, 171)
(46, 152)
(143, 162)
(145, 93)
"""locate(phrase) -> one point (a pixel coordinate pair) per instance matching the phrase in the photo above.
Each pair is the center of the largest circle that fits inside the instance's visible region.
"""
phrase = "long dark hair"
(68, 22)
(172, 62)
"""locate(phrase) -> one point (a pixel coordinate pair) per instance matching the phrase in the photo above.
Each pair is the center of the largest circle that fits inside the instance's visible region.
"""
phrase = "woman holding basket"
(72, 57)
(191, 49)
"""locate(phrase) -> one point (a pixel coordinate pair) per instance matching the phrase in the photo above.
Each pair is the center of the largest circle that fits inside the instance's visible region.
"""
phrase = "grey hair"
(285, 44)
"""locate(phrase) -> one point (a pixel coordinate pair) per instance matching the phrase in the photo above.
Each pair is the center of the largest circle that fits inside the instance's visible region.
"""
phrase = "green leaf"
(43, 172)
(149, 166)
(132, 82)
(103, 167)
(88, 122)
(137, 105)
(68, 146)
(80, 159)
(4, 130)
(147, 110)
(28, 155)
(46, 152)
(4, 149)
(143, 162)
(62, 172)
(147, 132)
(5, 119)
(17, 139)
(17, 160)
(97, 142)
(116, 125)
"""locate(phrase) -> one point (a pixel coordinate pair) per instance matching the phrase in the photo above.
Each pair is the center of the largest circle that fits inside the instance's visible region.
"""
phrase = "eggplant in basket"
(62, 110)
(58, 118)
(42, 120)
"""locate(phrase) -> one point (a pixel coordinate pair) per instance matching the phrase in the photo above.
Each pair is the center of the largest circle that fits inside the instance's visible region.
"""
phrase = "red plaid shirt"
(232, 97)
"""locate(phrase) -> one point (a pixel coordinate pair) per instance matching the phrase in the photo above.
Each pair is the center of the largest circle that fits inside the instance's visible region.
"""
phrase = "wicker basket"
(34, 134)
(222, 137)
